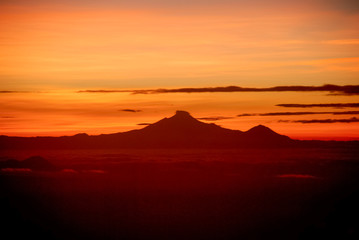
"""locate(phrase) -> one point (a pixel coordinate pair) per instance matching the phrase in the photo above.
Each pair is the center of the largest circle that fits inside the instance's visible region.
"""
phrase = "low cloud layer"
(348, 120)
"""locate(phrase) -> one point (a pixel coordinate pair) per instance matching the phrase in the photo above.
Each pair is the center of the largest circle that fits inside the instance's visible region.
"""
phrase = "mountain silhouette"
(182, 122)
(179, 131)
(182, 128)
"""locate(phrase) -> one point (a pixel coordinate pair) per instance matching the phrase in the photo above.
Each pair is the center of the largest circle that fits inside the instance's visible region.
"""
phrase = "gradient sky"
(50, 50)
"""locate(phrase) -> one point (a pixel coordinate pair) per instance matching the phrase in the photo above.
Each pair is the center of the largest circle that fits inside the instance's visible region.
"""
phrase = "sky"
(96, 66)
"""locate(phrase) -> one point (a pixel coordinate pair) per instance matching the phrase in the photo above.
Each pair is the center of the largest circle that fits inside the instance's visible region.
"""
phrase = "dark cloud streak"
(348, 120)
(296, 113)
(214, 118)
(130, 110)
(346, 89)
(329, 105)
(103, 91)
(143, 124)
(9, 92)
(333, 89)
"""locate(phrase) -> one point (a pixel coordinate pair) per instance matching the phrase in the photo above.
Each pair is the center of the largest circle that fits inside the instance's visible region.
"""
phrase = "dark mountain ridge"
(179, 131)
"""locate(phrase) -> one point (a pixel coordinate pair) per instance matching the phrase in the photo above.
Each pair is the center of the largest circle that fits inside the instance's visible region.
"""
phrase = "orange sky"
(52, 50)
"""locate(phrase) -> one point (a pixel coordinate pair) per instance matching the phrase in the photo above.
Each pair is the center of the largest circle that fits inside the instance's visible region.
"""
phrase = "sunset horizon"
(179, 119)
(74, 66)
(215, 119)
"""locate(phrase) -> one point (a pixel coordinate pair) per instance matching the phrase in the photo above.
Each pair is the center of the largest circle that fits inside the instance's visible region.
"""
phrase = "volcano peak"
(181, 112)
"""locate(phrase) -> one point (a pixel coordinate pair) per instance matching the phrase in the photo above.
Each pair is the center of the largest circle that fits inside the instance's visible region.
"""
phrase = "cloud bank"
(296, 113)
(334, 89)
(348, 120)
(327, 105)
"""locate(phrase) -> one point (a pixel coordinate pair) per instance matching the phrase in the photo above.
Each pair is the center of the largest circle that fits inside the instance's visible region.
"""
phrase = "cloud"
(290, 113)
(330, 105)
(346, 89)
(103, 91)
(214, 118)
(7, 117)
(348, 120)
(9, 92)
(246, 115)
(333, 89)
(143, 124)
(296, 113)
(345, 113)
(130, 110)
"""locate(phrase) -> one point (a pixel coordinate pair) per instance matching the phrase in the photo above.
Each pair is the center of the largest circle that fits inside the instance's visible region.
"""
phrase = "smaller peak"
(81, 135)
(260, 128)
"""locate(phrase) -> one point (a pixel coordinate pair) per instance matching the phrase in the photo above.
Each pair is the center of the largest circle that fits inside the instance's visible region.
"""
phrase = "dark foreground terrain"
(183, 194)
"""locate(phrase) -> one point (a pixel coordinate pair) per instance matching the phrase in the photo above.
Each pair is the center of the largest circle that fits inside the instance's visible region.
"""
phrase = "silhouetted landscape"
(179, 178)
(178, 131)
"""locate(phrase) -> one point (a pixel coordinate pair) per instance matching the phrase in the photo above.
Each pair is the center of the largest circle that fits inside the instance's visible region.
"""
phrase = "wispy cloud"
(10, 91)
(348, 120)
(143, 124)
(334, 89)
(130, 110)
(326, 105)
(103, 91)
(214, 118)
(296, 113)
